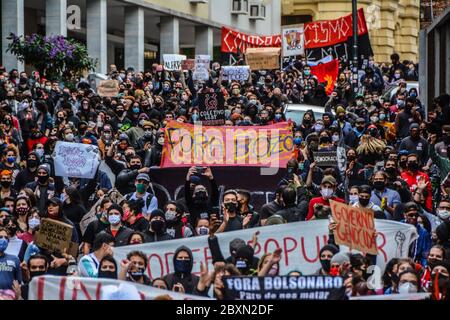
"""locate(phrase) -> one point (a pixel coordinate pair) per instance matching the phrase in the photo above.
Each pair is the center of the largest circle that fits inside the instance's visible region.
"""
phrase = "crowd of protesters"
(396, 164)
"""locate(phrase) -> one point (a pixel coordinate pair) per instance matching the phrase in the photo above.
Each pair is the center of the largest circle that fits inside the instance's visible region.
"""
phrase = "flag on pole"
(327, 73)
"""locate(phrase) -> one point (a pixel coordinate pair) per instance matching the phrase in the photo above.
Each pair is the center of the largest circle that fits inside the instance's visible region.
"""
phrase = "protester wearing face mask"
(395, 182)
(177, 226)
(133, 217)
(116, 228)
(408, 282)
(27, 175)
(415, 144)
(133, 268)
(198, 200)
(417, 179)
(36, 266)
(42, 188)
(88, 266)
(107, 268)
(385, 198)
(9, 264)
(231, 219)
(436, 255)
(154, 155)
(420, 248)
(98, 225)
(142, 183)
(326, 254)
(327, 189)
(157, 230)
(33, 223)
(364, 195)
(182, 278)
(6, 189)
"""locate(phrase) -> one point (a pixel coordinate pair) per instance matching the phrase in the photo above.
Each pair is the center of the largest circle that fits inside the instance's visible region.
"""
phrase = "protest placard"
(263, 58)
(108, 88)
(293, 41)
(76, 160)
(355, 227)
(201, 69)
(325, 158)
(300, 241)
(236, 73)
(54, 235)
(284, 288)
(172, 62)
(188, 64)
(211, 109)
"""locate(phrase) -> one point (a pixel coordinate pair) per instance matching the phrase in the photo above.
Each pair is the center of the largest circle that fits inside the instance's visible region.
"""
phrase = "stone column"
(56, 17)
(96, 35)
(204, 40)
(170, 36)
(134, 38)
(12, 22)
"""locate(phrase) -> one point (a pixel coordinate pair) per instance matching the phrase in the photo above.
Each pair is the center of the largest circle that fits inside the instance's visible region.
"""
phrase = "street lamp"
(355, 46)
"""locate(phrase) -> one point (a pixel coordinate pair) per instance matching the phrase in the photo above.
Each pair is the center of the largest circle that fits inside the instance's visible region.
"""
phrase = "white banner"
(172, 62)
(324, 60)
(201, 69)
(237, 73)
(76, 160)
(76, 288)
(300, 241)
(293, 41)
(407, 296)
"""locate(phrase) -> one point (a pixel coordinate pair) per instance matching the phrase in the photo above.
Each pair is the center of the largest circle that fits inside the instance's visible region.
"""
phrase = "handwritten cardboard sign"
(355, 227)
(172, 62)
(201, 70)
(76, 160)
(188, 64)
(236, 73)
(108, 88)
(54, 235)
(263, 58)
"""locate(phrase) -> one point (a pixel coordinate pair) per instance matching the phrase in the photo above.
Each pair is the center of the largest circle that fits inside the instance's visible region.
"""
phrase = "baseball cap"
(143, 176)
(329, 179)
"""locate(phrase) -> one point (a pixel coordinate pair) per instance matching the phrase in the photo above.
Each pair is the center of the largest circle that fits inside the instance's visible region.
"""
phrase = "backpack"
(147, 200)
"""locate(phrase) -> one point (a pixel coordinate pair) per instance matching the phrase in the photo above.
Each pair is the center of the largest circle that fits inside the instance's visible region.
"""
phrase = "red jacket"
(412, 179)
(320, 200)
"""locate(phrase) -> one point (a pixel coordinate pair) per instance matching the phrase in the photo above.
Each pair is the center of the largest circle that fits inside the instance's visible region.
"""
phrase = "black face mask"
(324, 140)
(326, 264)
(135, 167)
(306, 121)
(351, 158)
(391, 171)
(432, 263)
(364, 202)
(379, 185)
(231, 206)
(42, 179)
(137, 275)
(158, 226)
(6, 184)
(32, 163)
(413, 166)
(200, 196)
(107, 274)
(34, 274)
(403, 163)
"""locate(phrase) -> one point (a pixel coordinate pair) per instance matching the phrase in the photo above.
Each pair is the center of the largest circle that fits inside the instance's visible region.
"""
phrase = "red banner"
(232, 41)
(189, 145)
(327, 73)
(330, 32)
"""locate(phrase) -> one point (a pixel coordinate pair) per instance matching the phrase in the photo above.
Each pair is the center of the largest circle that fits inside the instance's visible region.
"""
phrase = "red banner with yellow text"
(189, 145)
(327, 73)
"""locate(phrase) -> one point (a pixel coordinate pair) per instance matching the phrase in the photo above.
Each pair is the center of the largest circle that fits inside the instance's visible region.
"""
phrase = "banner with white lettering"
(76, 160)
(237, 73)
(173, 62)
(201, 68)
(300, 242)
(76, 288)
(284, 288)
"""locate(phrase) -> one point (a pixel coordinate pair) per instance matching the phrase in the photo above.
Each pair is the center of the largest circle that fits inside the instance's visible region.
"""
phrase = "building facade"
(136, 33)
(393, 24)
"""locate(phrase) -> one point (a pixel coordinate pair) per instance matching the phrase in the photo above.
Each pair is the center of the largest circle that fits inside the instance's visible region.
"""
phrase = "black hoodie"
(26, 176)
(188, 280)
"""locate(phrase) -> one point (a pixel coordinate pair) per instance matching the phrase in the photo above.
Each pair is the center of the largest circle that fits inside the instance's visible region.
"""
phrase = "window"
(257, 11)
(254, 10)
(239, 6)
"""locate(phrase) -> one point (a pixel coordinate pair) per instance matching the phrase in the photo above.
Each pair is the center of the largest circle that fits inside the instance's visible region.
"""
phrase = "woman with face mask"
(408, 282)
(22, 209)
(33, 223)
(269, 264)
(107, 268)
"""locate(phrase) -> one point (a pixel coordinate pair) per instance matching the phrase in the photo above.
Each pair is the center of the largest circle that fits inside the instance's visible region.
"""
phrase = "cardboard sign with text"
(108, 88)
(54, 236)
(212, 108)
(263, 58)
(355, 227)
(188, 64)
(325, 158)
(201, 69)
(172, 62)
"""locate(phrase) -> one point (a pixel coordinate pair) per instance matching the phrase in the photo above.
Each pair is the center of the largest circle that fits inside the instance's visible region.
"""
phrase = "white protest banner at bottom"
(76, 160)
(300, 241)
(76, 288)
(394, 296)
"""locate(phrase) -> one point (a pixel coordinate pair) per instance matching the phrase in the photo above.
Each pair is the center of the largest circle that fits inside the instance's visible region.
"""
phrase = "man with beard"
(198, 201)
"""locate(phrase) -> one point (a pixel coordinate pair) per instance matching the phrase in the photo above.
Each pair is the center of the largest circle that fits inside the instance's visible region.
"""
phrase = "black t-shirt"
(93, 228)
(269, 209)
(234, 224)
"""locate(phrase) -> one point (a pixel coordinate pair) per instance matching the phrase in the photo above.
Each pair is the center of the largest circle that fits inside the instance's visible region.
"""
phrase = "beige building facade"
(393, 24)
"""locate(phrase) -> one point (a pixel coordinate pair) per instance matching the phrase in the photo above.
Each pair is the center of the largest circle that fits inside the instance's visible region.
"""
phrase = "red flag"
(234, 41)
(327, 73)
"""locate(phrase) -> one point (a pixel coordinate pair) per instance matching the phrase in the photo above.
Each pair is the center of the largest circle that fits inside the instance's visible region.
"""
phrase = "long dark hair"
(73, 194)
